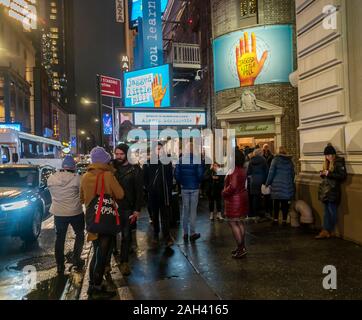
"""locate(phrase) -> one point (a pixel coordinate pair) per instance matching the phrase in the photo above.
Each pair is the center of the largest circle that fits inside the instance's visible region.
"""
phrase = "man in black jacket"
(158, 180)
(130, 178)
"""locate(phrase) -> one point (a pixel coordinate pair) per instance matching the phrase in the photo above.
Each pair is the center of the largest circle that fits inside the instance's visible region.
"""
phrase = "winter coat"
(269, 158)
(213, 187)
(130, 178)
(158, 181)
(330, 187)
(281, 178)
(89, 179)
(190, 175)
(258, 173)
(235, 195)
(64, 188)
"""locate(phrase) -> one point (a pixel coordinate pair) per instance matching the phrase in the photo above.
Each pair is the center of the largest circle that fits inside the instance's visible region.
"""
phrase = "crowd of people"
(108, 199)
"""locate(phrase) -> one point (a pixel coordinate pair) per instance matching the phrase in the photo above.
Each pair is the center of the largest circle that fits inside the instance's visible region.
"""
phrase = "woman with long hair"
(333, 174)
(236, 203)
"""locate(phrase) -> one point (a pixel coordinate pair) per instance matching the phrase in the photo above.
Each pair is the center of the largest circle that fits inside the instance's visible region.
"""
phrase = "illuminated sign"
(23, 11)
(125, 64)
(148, 87)
(170, 118)
(120, 11)
(13, 126)
(152, 34)
(110, 87)
(107, 124)
(137, 9)
(253, 56)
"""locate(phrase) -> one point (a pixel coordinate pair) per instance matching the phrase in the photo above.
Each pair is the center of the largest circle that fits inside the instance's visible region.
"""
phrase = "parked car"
(24, 200)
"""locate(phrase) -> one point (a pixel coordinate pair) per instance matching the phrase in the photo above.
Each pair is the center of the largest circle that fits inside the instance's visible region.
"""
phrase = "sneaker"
(195, 236)
(212, 216)
(234, 251)
(240, 253)
(324, 234)
(219, 216)
(186, 237)
(125, 269)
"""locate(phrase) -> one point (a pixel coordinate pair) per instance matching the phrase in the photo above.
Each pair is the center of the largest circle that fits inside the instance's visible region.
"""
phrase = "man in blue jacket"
(189, 175)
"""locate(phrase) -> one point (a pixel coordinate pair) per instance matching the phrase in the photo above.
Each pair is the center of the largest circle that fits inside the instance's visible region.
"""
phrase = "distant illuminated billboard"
(137, 10)
(107, 124)
(22, 10)
(150, 88)
(13, 126)
(253, 56)
(170, 118)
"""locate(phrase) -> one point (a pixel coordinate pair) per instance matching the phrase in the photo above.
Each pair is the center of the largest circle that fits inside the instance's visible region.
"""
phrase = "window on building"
(53, 17)
(54, 36)
(53, 4)
(55, 30)
(248, 8)
(53, 10)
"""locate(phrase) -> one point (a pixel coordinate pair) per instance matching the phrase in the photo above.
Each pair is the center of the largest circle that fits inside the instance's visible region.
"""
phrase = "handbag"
(324, 190)
(102, 215)
(265, 190)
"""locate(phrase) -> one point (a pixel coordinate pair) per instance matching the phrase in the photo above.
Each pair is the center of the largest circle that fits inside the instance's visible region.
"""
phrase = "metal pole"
(100, 115)
(113, 125)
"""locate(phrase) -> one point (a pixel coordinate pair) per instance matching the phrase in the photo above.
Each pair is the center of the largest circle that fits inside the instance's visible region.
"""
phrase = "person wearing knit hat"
(102, 243)
(333, 174)
(67, 210)
(131, 179)
(100, 155)
(69, 163)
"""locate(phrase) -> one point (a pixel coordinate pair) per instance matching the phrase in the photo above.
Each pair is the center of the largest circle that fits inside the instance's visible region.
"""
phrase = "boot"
(219, 216)
(211, 216)
(240, 253)
(324, 234)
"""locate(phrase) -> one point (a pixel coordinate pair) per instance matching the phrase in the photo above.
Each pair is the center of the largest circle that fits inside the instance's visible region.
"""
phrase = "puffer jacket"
(257, 173)
(281, 178)
(190, 175)
(330, 188)
(235, 194)
(89, 179)
(64, 188)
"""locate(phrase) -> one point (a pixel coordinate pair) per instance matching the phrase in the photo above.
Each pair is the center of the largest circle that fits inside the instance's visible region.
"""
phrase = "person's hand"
(134, 217)
(158, 93)
(247, 63)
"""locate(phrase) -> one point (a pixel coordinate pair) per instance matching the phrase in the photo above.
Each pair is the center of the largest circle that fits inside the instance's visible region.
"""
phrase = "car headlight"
(15, 205)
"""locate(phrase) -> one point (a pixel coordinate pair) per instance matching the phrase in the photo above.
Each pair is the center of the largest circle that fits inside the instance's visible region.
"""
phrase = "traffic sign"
(110, 87)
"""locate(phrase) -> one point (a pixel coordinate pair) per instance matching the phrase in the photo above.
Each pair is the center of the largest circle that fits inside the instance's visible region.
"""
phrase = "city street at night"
(180, 155)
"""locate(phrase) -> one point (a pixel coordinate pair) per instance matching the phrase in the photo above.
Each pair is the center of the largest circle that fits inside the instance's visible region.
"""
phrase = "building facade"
(330, 103)
(17, 60)
(263, 111)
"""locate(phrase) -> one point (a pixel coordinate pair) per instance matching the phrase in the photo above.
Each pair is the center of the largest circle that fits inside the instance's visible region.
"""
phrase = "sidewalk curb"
(75, 283)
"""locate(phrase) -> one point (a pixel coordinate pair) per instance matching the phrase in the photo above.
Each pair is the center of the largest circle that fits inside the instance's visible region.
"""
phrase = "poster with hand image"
(253, 56)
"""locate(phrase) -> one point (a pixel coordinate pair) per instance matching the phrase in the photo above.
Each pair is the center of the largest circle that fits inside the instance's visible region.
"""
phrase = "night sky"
(99, 44)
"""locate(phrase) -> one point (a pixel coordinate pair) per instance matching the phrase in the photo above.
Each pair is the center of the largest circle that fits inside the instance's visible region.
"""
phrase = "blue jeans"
(190, 199)
(330, 216)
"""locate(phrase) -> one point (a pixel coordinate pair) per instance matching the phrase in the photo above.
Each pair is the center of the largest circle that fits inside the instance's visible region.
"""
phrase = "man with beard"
(131, 179)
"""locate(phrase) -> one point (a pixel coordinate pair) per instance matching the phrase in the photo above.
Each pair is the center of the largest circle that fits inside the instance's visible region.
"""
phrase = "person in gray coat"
(281, 181)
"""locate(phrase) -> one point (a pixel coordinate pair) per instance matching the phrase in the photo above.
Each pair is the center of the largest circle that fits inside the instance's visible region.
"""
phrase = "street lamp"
(82, 132)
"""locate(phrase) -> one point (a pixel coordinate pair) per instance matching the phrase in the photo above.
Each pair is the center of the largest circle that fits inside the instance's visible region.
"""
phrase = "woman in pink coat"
(236, 203)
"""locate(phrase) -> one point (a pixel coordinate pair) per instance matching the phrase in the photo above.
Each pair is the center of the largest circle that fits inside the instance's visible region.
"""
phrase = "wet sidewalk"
(282, 263)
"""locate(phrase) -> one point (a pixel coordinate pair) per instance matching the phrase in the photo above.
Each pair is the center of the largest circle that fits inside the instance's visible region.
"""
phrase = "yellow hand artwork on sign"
(247, 63)
(158, 93)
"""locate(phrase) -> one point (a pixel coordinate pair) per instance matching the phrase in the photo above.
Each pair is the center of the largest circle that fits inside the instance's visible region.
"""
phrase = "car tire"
(33, 228)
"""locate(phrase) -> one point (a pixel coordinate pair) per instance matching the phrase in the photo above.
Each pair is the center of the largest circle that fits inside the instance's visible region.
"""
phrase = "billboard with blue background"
(136, 11)
(148, 87)
(107, 124)
(253, 56)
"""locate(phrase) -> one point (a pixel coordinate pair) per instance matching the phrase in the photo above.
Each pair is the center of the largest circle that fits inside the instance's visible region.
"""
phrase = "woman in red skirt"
(236, 203)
